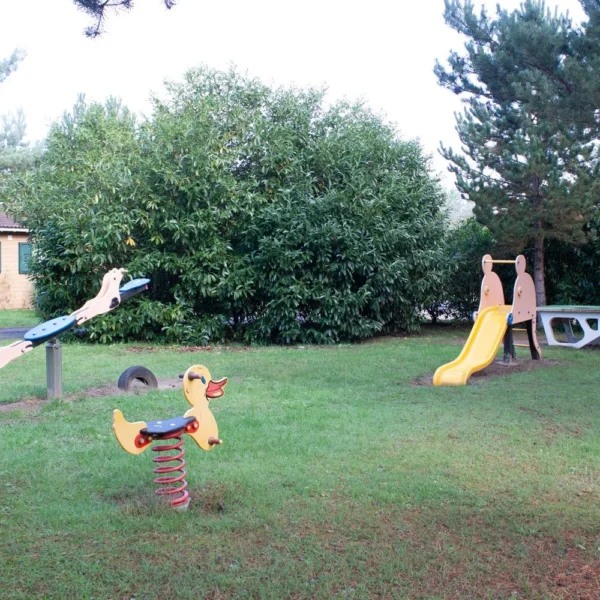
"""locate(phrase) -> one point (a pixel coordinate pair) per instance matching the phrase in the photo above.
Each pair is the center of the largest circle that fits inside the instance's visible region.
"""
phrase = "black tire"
(145, 376)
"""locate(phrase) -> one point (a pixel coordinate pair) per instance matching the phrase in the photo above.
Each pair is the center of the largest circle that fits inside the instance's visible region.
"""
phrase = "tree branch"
(97, 8)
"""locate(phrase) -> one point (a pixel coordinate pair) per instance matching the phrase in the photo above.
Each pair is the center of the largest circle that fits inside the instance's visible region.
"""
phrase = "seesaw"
(108, 298)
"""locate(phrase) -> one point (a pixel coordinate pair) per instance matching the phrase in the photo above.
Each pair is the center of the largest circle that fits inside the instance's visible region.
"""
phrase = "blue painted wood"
(48, 330)
(159, 428)
(134, 284)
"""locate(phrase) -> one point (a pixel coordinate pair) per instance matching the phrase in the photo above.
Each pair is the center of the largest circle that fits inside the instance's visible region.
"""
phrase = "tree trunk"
(538, 273)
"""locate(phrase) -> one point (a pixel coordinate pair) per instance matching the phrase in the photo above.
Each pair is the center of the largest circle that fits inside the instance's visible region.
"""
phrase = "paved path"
(13, 332)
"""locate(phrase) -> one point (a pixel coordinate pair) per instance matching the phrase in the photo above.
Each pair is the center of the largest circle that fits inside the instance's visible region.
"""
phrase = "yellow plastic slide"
(480, 349)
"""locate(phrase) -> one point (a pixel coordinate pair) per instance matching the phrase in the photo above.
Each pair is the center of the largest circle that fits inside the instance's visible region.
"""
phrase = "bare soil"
(185, 349)
(111, 389)
(497, 369)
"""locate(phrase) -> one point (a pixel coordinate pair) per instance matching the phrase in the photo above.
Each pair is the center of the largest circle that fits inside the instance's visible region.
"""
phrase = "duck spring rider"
(198, 422)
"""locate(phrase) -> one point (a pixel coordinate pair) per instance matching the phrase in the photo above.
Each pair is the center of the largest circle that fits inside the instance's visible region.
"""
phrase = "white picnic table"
(586, 316)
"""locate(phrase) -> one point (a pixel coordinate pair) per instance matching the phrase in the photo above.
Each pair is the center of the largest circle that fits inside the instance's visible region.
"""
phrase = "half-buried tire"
(134, 376)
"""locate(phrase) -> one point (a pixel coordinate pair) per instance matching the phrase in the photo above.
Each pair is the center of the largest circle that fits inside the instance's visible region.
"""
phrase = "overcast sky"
(382, 51)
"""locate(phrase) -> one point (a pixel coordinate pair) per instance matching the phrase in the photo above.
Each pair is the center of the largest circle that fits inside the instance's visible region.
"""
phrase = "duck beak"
(215, 388)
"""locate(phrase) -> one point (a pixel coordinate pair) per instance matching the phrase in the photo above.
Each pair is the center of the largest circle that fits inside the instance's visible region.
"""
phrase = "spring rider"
(198, 422)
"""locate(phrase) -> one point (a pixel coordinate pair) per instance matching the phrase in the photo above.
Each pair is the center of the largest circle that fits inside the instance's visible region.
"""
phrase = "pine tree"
(583, 70)
(15, 153)
(97, 9)
(9, 65)
(530, 171)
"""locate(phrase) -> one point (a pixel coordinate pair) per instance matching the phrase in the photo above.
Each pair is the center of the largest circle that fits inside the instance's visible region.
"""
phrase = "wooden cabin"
(16, 289)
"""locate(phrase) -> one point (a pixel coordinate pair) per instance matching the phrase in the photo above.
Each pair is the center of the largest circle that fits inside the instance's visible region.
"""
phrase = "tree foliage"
(532, 176)
(573, 271)
(15, 153)
(259, 214)
(97, 9)
(458, 295)
(529, 56)
(9, 65)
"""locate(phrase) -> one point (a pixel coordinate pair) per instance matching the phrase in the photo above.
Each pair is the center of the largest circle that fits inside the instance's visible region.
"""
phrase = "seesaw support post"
(54, 369)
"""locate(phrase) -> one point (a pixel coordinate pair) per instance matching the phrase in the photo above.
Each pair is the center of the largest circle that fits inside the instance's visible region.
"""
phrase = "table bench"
(586, 316)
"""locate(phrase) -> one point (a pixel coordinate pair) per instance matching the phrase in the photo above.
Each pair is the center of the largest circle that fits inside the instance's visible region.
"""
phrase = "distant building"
(16, 289)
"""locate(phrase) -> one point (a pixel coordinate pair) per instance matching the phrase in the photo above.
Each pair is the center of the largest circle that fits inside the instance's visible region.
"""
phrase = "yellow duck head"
(198, 389)
(198, 386)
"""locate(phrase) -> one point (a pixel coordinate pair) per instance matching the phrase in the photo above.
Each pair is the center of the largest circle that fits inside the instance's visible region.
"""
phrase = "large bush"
(259, 214)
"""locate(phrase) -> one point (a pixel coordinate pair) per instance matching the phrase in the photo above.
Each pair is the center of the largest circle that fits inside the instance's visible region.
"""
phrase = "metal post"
(535, 355)
(54, 369)
(571, 339)
(509, 348)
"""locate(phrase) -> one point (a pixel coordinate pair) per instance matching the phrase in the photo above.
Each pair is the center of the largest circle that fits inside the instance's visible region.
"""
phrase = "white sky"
(382, 51)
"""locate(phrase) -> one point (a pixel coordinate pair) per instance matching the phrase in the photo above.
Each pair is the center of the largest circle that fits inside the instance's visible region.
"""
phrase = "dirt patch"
(26, 405)
(111, 389)
(209, 499)
(185, 349)
(453, 553)
(576, 578)
(496, 369)
(509, 566)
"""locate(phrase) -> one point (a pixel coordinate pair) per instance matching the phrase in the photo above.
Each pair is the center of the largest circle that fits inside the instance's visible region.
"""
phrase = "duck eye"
(203, 380)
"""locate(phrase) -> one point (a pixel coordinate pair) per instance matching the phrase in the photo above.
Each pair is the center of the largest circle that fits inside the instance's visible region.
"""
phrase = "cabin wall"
(16, 290)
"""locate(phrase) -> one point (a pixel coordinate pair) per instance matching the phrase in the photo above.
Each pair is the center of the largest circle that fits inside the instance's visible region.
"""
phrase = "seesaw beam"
(108, 298)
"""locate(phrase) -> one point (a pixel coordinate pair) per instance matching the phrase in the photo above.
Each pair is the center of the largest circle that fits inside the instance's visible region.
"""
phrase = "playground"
(339, 477)
(299, 321)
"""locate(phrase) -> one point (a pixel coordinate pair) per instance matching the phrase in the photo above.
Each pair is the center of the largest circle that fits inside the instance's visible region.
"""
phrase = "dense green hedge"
(572, 271)
(260, 215)
(457, 297)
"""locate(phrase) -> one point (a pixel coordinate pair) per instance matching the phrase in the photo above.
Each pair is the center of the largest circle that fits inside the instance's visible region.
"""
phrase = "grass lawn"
(338, 478)
(18, 318)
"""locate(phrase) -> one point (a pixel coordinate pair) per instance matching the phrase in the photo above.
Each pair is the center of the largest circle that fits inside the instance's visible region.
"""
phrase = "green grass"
(18, 318)
(338, 478)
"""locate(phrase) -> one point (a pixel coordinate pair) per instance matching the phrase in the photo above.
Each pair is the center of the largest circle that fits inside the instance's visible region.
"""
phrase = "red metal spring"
(172, 486)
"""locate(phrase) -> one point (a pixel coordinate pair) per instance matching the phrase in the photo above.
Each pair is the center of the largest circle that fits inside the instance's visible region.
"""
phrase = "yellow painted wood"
(501, 262)
(198, 392)
(207, 429)
(127, 432)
